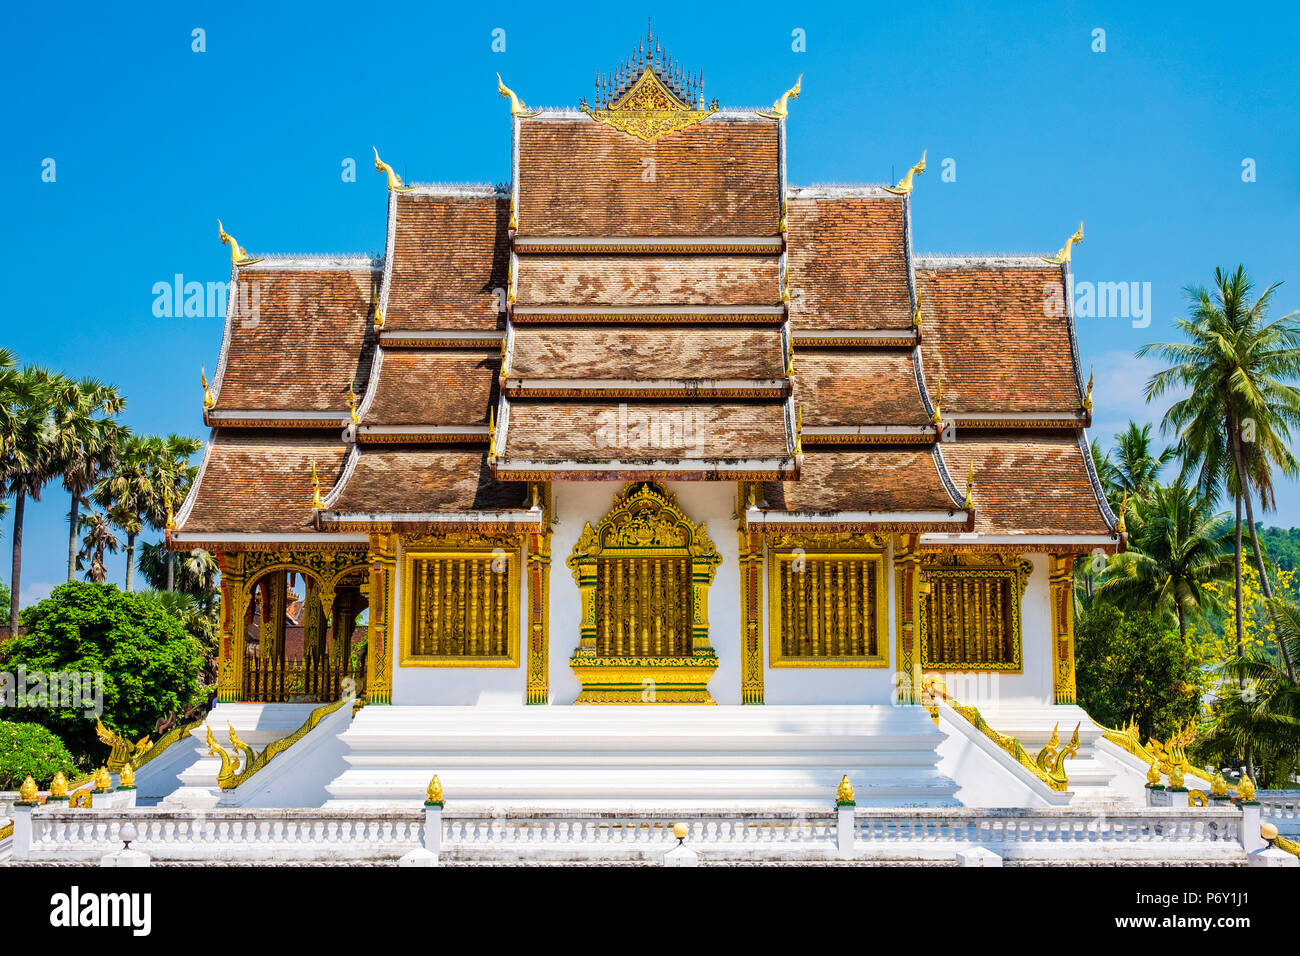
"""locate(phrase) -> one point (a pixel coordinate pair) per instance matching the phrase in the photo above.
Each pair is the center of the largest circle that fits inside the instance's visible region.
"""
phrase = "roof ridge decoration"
(1064, 255)
(238, 254)
(780, 109)
(649, 95)
(394, 181)
(517, 107)
(904, 187)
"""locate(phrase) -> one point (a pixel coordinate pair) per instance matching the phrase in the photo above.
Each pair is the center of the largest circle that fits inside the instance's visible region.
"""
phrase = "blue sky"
(152, 141)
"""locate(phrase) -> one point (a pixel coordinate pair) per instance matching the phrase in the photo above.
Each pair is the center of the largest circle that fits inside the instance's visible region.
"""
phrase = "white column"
(22, 814)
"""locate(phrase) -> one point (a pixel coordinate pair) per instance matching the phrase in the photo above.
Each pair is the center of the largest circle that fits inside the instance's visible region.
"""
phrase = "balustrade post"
(22, 816)
(1250, 836)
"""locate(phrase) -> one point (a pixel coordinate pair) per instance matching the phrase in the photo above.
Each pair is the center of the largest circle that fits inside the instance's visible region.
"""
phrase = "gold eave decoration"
(649, 110)
(781, 108)
(904, 186)
(395, 183)
(1063, 256)
(238, 254)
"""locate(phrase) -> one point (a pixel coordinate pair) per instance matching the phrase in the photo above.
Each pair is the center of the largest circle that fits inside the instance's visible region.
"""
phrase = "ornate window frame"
(975, 567)
(869, 548)
(644, 521)
(459, 546)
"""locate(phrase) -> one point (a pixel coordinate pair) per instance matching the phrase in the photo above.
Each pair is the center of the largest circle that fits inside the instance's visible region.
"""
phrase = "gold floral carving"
(649, 110)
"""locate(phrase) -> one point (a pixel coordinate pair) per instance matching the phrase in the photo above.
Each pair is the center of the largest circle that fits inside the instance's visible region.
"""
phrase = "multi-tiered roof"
(650, 298)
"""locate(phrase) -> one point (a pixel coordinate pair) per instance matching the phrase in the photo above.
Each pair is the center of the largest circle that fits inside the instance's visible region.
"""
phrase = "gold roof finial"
(433, 795)
(238, 255)
(916, 314)
(780, 109)
(27, 793)
(937, 418)
(103, 782)
(394, 180)
(904, 187)
(969, 502)
(1087, 398)
(1246, 789)
(316, 501)
(1123, 507)
(208, 399)
(352, 405)
(127, 777)
(59, 785)
(844, 792)
(514, 220)
(505, 361)
(379, 305)
(492, 432)
(1064, 254)
(517, 107)
(171, 519)
(798, 430)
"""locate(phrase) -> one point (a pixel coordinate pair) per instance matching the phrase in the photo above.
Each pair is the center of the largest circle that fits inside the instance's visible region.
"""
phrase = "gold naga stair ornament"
(394, 181)
(1051, 759)
(904, 186)
(1064, 255)
(780, 109)
(238, 254)
(121, 750)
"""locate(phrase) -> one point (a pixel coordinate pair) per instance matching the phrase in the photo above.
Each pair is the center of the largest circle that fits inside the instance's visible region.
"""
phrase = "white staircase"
(616, 758)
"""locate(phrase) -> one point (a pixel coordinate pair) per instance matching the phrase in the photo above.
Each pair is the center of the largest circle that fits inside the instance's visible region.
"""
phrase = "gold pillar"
(313, 623)
(907, 604)
(272, 634)
(234, 609)
(1061, 584)
(383, 627)
(539, 586)
(751, 576)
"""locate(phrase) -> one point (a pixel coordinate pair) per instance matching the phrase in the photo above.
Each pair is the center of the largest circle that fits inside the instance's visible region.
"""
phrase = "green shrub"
(150, 663)
(31, 749)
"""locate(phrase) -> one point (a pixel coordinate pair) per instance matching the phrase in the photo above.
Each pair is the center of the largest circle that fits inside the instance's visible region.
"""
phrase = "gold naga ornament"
(208, 398)
(916, 313)
(394, 180)
(904, 186)
(238, 254)
(1064, 255)
(1120, 527)
(1087, 398)
(317, 502)
(121, 750)
(517, 107)
(379, 308)
(780, 109)
(649, 95)
(352, 405)
(969, 502)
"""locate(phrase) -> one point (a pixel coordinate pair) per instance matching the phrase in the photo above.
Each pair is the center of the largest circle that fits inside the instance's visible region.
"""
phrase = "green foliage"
(149, 661)
(4, 594)
(1135, 667)
(1282, 545)
(30, 749)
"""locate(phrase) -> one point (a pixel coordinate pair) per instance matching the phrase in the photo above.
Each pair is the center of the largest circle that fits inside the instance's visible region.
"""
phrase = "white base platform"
(615, 758)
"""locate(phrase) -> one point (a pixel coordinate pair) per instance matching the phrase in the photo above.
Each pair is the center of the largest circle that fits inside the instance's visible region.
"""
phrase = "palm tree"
(26, 459)
(1137, 470)
(1236, 367)
(1176, 548)
(1107, 473)
(174, 475)
(84, 442)
(97, 540)
(129, 492)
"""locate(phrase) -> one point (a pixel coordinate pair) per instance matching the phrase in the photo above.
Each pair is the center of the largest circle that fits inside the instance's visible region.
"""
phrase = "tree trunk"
(1241, 641)
(1265, 585)
(130, 558)
(1182, 623)
(171, 570)
(16, 573)
(73, 512)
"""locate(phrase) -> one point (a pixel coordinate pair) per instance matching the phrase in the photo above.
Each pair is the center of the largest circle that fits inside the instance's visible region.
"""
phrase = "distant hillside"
(1282, 545)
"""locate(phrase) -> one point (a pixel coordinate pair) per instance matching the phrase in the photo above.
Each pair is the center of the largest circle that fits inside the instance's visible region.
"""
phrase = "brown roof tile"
(838, 387)
(638, 353)
(648, 280)
(869, 480)
(990, 336)
(448, 257)
(407, 479)
(645, 431)
(847, 264)
(260, 481)
(306, 341)
(582, 178)
(1032, 484)
(434, 387)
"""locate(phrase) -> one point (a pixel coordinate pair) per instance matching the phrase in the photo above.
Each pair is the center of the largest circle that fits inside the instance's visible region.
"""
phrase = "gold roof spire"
(238, 254)
(316, 501)
(1064, 254)
(780, 109)
(394, 180)
(208, 399)
(904, 187)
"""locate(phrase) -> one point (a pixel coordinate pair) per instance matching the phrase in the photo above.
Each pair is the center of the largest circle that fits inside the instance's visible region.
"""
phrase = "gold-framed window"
(462, 609)
(970, 617)
(827, 608)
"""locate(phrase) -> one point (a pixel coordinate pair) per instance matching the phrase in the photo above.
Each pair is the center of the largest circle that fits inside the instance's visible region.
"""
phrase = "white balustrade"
(1280, 808)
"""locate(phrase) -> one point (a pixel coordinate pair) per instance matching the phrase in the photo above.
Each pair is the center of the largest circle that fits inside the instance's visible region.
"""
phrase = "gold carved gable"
(649, 110)
(645, 517)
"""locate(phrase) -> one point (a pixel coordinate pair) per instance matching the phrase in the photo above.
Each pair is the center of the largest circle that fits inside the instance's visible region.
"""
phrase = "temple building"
(651, 426)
